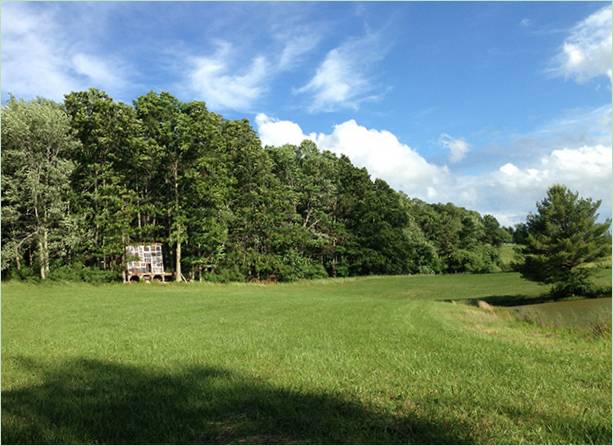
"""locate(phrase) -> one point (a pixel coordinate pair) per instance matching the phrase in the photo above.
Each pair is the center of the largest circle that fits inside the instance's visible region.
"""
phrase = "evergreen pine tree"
(563, 235)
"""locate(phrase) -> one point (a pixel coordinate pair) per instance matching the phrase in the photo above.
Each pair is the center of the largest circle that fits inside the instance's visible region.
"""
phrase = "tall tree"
(161, 117)
(495, 235)
(262, 209)
(563, 235)
(192, 184)
(36, 142)
(204, 187)
(108, 132)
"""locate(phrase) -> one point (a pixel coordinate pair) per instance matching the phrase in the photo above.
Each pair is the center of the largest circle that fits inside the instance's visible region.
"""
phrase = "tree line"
(83, 179)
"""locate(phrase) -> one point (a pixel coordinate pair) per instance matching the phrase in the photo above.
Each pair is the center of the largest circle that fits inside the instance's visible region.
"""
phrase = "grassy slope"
(584, 313)
(368, 360)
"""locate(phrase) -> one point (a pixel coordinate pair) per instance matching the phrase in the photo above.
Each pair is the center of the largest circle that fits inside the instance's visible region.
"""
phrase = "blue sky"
(481, 104)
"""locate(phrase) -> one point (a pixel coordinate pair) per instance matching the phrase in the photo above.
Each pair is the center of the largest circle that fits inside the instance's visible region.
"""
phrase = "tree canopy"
(104, 174)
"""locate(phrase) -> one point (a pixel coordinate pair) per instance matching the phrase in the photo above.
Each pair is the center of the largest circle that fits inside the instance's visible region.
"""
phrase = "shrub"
(225, 274)
(80, 273)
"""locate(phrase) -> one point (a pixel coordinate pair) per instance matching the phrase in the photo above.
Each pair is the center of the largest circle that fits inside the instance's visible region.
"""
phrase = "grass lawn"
(364, 360)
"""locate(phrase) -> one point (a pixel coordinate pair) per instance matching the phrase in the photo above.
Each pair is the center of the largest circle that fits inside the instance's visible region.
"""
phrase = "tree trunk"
(40, 257)
(124, 260)
(178, 229)
(334, 258)
(46, 240)
(178, 262)
(43, 255)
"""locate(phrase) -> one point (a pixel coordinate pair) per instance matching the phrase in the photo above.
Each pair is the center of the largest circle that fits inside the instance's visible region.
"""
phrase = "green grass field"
(364, 360)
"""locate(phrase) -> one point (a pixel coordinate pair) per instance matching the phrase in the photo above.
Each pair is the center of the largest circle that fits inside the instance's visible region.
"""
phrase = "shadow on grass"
(506, 300)
(513, 300)
(89, 401)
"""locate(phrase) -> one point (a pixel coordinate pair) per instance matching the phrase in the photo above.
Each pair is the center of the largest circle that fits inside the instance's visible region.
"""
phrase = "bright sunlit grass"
(363, 360)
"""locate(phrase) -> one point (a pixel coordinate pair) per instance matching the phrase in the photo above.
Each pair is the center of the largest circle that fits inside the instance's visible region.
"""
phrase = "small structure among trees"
(145, 262)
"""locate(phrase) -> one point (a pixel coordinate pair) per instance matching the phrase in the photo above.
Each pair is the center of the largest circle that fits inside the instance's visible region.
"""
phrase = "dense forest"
(83, 179)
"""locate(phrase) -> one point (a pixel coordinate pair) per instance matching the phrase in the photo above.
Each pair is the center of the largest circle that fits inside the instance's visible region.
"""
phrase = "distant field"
(507, 254)
(364, 360)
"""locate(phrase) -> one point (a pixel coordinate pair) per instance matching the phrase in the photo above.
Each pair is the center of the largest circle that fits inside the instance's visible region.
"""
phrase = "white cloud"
(277, 133)
(512, 191)
(379, 151)
(39, 58)
(508, 191)
(583, 168)
(343, 78)
(211, 78)
(385, 157)
(458, 147)
(586, 52)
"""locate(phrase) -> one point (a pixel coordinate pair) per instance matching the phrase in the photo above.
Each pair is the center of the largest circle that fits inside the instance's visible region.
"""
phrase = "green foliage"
(79, 273)
(224, 207)
(37, 147)
(562, 236)
(494, 233)
(520, 234)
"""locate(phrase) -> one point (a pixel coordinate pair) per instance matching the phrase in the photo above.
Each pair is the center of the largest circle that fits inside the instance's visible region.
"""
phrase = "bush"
(80, 273)
(482, 260)
(424, 258)
(294, 266)
(25, 274)
(225, 274)
(578, 284)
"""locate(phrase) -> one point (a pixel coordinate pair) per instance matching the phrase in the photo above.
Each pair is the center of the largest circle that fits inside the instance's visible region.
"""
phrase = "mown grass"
(365, 360)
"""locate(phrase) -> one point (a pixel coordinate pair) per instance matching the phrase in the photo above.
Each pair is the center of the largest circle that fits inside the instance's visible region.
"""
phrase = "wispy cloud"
(97, 70)
(458, 147)
(213, 79)
(586, 52)
(344, 78)
(40, 58)
(295, 48)
(225, 83)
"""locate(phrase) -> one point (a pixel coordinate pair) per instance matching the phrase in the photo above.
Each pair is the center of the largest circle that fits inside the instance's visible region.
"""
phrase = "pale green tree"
(36, 143)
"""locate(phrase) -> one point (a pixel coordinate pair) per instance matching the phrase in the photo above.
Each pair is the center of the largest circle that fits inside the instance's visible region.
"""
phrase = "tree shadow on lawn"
(506, 300)
(89, 401)
(513, 300)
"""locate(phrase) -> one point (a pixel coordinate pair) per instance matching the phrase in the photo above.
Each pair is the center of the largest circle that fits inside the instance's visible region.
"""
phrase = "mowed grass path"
(365, 360)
